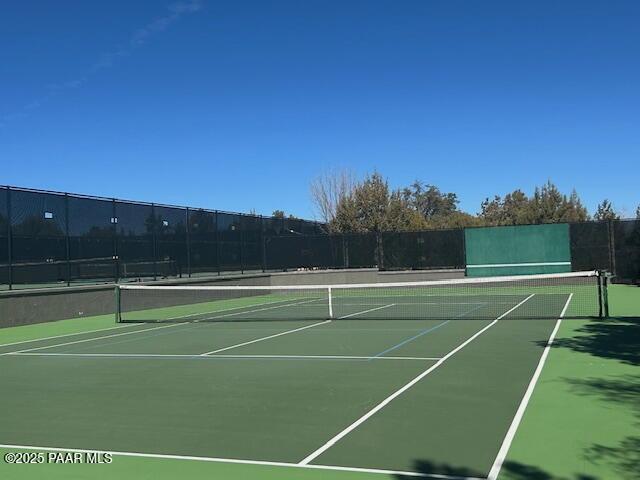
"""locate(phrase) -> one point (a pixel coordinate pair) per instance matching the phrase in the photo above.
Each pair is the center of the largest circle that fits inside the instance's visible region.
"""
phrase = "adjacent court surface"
(349, 393)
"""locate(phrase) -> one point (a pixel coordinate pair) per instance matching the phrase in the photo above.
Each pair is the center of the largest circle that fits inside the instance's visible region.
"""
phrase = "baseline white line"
(69, 334)
(265, 338)
(367, 311)
(194, 356)
(243, 462)
(508, 439)
(94, 338)
(403, 389)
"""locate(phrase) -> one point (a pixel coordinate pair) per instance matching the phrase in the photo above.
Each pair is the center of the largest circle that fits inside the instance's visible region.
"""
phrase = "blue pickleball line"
(424, 332)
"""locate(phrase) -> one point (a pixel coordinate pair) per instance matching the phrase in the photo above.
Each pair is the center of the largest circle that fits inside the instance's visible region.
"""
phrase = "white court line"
(260, 309)
(94, 338)
(198, 356)
(533, 264)
(69, 334)
(243, 462)
(506, 444)
(265, 338)
(147, 329)
(367, 311)
(239, 307)
(403, 389)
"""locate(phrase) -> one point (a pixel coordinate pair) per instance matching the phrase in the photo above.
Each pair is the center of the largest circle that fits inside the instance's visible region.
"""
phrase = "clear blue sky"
(237, 105)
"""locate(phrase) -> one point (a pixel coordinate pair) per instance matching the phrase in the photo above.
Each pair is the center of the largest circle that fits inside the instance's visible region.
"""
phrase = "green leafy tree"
(429, 201)
(371, 199)
(514, 209)
(547, 205)
(605, 211)
(372, 207)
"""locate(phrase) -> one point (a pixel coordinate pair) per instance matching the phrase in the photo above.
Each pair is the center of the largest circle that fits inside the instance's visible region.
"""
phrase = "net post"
(605, 293)
(330, 302)
(118, 309)
(599, 278)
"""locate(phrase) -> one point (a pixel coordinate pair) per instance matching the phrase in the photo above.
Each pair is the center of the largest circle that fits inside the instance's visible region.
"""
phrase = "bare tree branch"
(329, 189)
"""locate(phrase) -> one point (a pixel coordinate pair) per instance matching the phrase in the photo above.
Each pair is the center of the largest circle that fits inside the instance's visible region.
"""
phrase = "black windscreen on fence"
(304, 251)
(91, 238)
(39, 241)
(4, 236)
(626, 237)
(51, 237)
(590, 248)
(423, 250)
(251, 228)
(171, 240)
(229, 241)
(203, 241)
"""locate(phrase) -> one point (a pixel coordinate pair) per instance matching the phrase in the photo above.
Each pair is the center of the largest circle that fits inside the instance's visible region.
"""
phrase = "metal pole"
(606, 295)
(612, 246)
(118, 306)
(188, 246)
(263, 241)
(114, 223)
(9, 239)
(241, 244)
(153, 241)
(600, 297)
(66, 237)
(217, 236)
(464, 250)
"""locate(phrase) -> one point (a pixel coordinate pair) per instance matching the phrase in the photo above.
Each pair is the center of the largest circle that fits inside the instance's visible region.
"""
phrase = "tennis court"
(418, 380)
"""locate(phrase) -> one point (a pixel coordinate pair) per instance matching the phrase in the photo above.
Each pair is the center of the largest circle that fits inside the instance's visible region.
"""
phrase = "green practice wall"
(517, 250)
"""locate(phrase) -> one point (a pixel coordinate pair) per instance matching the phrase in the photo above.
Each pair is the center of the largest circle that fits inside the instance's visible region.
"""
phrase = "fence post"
(464, 250)
(345, 250)
(188, 245)
(154, 240)
(114, 223)
(241, 226)
(263, 242)
(380, 249)
(217, 245)
(612, 246)
(66, 237)
(9, 239)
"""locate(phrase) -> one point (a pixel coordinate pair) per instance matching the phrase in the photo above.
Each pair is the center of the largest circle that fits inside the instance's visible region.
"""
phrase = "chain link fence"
(51, 238)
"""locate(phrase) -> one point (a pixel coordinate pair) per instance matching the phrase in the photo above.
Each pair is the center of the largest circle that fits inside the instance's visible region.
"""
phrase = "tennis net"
(572, 295)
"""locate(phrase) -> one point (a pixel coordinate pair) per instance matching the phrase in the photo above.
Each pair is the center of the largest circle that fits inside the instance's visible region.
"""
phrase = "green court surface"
(309, 398)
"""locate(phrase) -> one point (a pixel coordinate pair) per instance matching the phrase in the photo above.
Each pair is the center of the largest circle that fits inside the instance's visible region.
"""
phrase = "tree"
(548, 205)
(278, 214)
(514, 209)
(638, 212)
(372, 207)
(371, 199)
(605, 211)
(329, 189)
(430, 201)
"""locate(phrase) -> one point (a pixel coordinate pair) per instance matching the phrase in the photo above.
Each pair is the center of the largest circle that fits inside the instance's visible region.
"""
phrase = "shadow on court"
(616, 338)
(621, 393)
(509, 471)
(430, 468)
